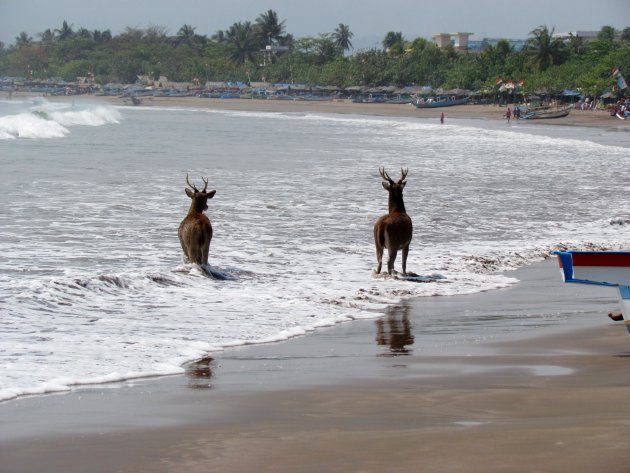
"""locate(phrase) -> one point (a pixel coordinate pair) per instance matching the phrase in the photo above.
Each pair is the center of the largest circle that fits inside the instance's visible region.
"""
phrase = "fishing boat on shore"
(601, 268)
(545, 113)
(441, 101)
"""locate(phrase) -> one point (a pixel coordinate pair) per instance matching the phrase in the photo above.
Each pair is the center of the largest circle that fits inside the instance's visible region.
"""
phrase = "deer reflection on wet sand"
(394, 331)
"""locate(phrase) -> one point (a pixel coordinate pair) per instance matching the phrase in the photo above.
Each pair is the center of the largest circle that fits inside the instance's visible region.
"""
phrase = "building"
(585, 36)
(477, 46)
(459, 40)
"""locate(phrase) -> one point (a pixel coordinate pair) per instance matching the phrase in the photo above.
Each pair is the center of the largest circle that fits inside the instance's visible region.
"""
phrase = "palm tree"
(47, 37)
(84, 33)
(392, 38)
(543, 49)
(65, 32)
(23, 40)
(101, 37)
(186, 34)
(242, 40)
(342, 36)
(268, 28)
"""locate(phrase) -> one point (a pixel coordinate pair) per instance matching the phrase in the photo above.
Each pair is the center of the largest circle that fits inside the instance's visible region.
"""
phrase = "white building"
(459, 40)
(586, 36)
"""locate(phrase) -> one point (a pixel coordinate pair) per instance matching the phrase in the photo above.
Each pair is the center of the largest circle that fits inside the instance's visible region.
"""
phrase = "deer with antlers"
(195, 231)
(393, 231)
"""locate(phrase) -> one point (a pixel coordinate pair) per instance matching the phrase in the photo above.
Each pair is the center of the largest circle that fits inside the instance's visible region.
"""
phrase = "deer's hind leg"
(379, 258)
(405, 253)
(205, 249)
(392, 258)
(379, 252)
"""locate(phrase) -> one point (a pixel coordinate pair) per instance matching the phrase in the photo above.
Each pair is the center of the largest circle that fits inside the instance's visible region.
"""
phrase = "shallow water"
(92, 283)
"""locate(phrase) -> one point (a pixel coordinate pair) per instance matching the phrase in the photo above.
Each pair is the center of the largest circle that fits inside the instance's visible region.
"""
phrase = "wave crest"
(44, 120)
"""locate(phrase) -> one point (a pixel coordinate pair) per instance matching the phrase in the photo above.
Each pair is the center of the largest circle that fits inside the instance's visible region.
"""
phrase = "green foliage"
(543, 49)
(268, 29)
(243, 43)
(342, 36)
(546, 63)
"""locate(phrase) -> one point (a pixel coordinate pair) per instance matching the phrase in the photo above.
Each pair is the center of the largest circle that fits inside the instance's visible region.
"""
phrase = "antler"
(385, 176)
(403, 174)
(192, 186)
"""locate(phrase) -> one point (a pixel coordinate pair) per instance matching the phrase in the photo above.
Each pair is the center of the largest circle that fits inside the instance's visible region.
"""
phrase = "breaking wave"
(41, 119)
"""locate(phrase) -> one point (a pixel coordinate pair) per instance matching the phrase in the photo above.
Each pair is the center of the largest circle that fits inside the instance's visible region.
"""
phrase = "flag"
(621, 82)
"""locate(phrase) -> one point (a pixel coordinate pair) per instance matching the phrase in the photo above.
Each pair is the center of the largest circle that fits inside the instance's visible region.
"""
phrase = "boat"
(542, 114)
(441, 101)
(601, 268)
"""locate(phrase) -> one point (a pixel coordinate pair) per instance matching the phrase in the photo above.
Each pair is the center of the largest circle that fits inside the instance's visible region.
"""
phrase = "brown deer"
(195, 231)
(393, 231)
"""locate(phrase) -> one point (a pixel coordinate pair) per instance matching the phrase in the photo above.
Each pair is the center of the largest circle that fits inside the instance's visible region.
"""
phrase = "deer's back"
(394, 228)
(195, 227)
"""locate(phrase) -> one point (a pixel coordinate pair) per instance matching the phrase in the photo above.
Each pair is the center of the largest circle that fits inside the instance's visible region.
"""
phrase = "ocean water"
(93, 288)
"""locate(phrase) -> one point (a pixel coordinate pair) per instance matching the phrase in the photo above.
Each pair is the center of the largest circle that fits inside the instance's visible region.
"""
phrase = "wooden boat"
(601, 268)
(441, 101)
(541, 114)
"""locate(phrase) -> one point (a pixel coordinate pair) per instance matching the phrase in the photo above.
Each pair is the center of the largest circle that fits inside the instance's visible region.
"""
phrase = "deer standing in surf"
(195, 231)
(394, 230)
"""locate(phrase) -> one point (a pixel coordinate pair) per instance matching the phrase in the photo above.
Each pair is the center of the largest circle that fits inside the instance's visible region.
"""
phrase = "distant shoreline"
(590, 118)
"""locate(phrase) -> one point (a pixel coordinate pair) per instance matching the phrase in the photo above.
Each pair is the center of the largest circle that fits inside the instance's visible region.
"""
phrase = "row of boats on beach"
(426, 102)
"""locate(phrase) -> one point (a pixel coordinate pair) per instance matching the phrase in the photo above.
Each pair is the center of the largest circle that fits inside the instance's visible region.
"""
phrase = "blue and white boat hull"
(602, 268)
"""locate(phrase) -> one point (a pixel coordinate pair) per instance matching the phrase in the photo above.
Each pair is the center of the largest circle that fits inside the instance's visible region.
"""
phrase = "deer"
(195, 231)
(393, 230)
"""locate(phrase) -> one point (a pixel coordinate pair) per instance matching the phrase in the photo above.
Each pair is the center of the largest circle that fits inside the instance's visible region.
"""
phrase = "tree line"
(262, 50)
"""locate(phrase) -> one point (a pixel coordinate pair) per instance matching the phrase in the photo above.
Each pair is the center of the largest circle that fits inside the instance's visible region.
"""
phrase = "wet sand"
(367, 396)
(484, 112)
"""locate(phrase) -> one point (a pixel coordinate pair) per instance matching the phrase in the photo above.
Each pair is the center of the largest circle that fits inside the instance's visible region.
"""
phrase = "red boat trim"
(616, 259)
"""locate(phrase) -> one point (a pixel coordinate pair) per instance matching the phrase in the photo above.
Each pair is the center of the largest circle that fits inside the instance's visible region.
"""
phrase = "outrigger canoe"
(601, 268)
(543, 114)
(441, 101)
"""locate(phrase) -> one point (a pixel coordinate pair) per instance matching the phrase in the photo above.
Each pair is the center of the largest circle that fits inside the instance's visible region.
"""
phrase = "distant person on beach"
(517, 112)
(508, 114)
(442, 118)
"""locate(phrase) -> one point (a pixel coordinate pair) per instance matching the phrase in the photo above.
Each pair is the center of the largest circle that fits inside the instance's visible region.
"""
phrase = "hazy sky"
(369, 20)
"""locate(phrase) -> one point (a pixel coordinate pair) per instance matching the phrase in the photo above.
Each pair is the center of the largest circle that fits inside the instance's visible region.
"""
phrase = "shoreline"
(367, 396)
(590, 118)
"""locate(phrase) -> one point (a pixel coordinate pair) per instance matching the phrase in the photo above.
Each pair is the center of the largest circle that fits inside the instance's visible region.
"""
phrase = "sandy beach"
(484, 112)
(368, 395)
(365, 396)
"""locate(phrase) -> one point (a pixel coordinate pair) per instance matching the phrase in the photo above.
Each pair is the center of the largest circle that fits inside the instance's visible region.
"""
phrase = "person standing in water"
(442, 118)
